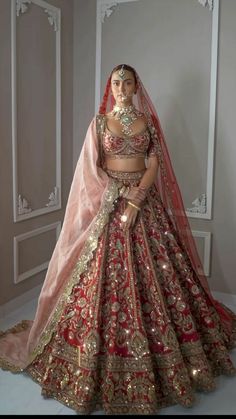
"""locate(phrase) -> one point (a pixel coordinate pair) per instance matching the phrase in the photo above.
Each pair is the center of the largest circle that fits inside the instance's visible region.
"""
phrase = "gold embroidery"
(135, 361)
(102, 217)
(139, 344)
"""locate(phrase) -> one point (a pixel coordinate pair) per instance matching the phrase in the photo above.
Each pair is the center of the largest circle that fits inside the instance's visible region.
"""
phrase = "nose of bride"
(122, 88)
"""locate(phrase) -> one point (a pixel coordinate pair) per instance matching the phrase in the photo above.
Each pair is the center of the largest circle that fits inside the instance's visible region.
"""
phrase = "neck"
(123, 105)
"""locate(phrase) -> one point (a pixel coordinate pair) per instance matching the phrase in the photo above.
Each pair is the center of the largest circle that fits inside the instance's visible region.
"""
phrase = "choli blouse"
(138, 145)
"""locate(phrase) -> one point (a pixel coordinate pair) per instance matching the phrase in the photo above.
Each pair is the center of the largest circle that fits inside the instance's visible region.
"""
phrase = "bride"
(125, 319)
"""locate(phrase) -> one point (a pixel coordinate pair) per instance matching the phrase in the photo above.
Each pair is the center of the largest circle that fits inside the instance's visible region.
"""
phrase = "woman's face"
(123, 88)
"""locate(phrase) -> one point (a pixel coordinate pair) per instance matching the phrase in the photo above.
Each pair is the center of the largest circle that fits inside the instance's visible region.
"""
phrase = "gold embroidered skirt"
(138, 332)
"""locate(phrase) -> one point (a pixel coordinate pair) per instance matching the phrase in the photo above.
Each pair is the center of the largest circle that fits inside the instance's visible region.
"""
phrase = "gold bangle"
(133, 205)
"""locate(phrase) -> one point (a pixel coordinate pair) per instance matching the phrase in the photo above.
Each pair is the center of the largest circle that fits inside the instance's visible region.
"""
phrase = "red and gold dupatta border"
(90, 245)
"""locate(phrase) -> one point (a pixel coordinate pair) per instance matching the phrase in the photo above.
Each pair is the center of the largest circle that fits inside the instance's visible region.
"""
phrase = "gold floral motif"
(150, 339)
(91, 344)
(109, 388)
(87, 254)
(85, 387)
(140, 388)
(138, 344)
(81, 302)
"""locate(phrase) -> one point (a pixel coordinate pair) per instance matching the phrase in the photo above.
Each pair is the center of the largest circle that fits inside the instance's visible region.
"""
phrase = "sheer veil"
(167, 185)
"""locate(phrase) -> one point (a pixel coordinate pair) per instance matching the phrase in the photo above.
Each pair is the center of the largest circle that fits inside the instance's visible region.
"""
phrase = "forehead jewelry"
(121, 72)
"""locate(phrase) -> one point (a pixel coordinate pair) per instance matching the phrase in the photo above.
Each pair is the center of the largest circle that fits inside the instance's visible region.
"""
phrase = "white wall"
(84, 70)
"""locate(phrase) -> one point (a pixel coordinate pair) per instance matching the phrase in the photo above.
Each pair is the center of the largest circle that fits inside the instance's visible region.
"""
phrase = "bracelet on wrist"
(143, 188)
(133, 205)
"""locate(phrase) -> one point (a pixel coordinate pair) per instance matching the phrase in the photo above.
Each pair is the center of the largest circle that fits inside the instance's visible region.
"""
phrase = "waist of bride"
(121, 175)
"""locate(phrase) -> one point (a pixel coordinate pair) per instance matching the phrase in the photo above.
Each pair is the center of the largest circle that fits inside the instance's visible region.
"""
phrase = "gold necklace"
(126, 116)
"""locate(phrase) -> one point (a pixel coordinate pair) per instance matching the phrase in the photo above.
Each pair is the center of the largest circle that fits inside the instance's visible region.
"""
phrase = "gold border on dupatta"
(91, 243)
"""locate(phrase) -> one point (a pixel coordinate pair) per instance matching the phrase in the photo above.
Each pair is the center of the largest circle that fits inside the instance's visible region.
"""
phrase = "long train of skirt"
(138, 331)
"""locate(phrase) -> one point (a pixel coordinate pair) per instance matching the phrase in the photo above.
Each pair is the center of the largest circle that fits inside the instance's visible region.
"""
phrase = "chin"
(122, 102)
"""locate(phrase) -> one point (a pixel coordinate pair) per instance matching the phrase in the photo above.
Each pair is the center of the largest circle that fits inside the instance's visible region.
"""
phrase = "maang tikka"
(125, 115)
(121, 72)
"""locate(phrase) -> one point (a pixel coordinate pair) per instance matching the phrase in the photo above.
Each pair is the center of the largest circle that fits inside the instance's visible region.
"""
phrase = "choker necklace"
(126, 116)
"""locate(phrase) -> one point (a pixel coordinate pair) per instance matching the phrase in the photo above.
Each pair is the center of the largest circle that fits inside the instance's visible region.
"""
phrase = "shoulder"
(100, 118)
(100, 121)
(143, 116)
(142, 120)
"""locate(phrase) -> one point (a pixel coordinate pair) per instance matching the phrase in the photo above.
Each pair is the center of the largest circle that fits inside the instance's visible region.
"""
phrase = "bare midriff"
(125, 165)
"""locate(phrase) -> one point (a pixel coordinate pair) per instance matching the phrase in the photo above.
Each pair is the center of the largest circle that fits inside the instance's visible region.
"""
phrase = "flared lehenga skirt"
(138, 331)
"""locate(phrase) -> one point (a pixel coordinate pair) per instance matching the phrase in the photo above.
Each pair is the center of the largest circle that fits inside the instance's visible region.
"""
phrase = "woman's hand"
(136, 194)
(129, 217)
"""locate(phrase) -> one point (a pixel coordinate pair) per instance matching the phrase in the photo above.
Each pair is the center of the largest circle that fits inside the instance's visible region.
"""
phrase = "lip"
(122, 97)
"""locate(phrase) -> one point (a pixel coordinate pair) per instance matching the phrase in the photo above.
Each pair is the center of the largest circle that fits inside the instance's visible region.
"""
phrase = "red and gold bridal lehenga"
(125, 320)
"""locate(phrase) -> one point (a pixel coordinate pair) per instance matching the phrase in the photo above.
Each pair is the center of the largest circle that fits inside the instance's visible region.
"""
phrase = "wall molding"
(107, 9)
(200, 211)
(20, 238)
(21, 205)
(207, 3)
(199, 205)
(206, 235)
(104, 10)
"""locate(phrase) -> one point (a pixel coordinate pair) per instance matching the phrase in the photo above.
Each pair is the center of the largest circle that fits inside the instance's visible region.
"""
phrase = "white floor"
(19, 395)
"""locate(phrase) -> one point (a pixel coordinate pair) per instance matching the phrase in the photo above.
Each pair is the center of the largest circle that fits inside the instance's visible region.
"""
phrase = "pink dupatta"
(90, 201)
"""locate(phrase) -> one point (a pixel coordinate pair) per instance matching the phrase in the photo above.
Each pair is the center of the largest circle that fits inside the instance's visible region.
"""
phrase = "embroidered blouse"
(138, 145)
(117, 147)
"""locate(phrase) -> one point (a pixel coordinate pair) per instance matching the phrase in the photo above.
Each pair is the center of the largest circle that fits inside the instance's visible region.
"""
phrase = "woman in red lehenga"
(125, 319)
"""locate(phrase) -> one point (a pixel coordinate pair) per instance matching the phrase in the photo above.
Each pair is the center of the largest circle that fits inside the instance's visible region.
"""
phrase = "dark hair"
(125, 67)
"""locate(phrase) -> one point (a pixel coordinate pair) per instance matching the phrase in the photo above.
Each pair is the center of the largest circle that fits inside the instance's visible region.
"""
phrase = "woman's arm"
(150, 174)
(138, 193)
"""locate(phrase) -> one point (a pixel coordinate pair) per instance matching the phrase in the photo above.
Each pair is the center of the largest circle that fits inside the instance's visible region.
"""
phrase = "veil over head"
(166, 181)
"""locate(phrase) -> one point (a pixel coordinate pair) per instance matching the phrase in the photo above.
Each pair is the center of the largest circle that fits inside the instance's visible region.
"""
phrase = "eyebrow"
(120, 80)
